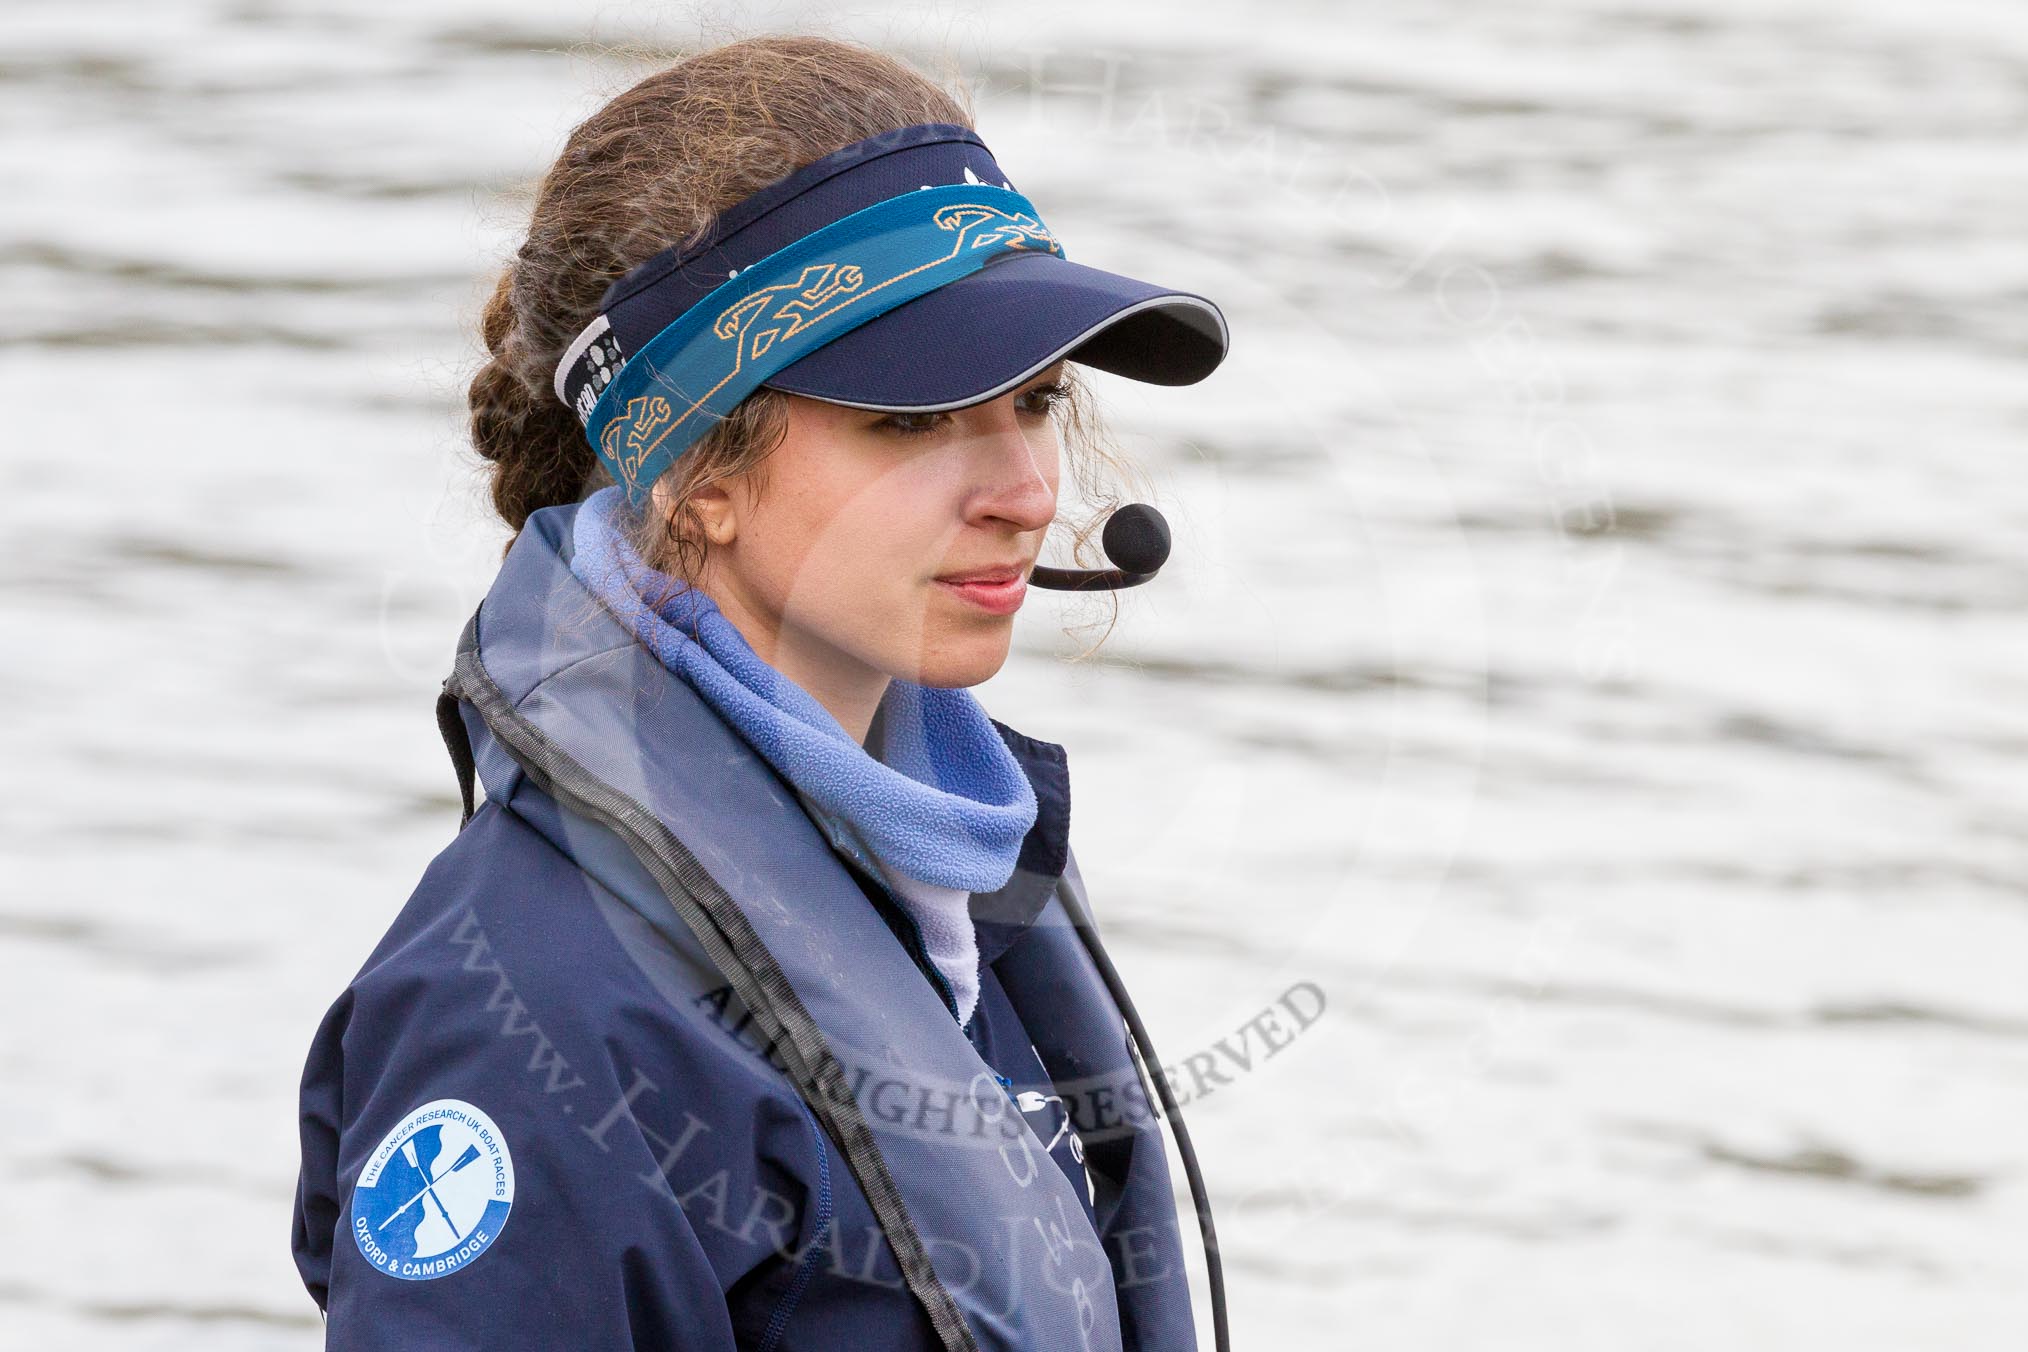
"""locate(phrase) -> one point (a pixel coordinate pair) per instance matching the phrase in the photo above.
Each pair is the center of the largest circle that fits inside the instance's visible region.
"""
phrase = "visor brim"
(989, 331)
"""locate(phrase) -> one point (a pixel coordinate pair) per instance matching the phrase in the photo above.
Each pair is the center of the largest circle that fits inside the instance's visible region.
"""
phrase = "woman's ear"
(715, 513)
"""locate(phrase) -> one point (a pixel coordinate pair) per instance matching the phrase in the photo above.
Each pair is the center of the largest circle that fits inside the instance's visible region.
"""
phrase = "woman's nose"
(1017, 468)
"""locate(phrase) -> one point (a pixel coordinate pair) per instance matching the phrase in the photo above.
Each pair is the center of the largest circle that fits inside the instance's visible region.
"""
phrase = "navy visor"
(841, 283)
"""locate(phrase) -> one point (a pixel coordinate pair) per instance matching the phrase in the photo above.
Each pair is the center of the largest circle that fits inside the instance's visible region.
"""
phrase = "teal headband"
(788, 304)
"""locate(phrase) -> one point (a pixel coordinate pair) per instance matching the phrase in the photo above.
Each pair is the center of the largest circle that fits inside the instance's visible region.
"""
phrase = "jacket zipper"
(914, 943)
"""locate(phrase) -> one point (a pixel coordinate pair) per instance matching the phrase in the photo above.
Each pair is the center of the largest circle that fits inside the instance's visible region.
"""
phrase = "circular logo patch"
(434, 1193)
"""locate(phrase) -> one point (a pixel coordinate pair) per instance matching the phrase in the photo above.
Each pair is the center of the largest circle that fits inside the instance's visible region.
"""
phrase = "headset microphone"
(1136, 539)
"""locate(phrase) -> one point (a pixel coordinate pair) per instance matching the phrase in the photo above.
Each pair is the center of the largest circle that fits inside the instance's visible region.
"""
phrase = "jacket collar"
(1001, 917)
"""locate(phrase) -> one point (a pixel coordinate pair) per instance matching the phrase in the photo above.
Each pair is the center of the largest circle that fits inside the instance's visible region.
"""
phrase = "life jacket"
(721, 1093)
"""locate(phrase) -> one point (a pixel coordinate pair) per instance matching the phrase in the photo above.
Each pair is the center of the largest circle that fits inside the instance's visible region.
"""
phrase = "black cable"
(1087, 931)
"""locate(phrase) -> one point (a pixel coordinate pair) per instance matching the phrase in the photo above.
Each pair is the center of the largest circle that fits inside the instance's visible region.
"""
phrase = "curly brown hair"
(657, 164)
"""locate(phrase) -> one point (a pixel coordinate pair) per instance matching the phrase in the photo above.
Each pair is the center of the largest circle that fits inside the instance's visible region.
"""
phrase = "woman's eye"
(901, 424)
(1044, 399)
(1049, 396)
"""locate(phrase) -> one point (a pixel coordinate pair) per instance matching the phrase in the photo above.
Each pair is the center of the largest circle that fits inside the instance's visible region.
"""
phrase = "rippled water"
(1593, 657)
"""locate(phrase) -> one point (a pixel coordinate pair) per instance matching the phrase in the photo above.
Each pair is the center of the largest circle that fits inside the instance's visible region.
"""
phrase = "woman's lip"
(1001, 598)
(982, 575)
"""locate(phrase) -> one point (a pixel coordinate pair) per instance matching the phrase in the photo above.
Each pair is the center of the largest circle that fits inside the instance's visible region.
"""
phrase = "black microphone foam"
(1136, 538)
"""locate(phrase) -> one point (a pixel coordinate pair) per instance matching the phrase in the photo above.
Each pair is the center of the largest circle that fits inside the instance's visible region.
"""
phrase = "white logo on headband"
(588, 366)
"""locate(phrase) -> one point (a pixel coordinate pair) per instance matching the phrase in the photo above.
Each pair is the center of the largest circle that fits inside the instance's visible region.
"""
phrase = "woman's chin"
(971, 660)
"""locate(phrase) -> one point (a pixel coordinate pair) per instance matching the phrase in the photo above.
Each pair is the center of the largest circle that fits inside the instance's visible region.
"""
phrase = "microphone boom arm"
(1135, 540)
(1084, 579)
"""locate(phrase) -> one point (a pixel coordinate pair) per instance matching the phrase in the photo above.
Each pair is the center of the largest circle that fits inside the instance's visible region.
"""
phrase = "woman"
(752, 1008)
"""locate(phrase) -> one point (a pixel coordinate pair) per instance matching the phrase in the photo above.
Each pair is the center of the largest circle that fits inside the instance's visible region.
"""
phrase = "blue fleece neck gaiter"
(947, 804)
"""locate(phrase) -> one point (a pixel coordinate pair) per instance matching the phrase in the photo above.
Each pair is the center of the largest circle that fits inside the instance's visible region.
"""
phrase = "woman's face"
(832, 572)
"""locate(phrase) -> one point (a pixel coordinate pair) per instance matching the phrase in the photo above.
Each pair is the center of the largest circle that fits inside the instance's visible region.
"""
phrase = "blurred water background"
(1593, 657)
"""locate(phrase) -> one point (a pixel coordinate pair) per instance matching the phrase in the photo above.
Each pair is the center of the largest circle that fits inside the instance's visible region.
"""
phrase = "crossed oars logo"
(429, 1189)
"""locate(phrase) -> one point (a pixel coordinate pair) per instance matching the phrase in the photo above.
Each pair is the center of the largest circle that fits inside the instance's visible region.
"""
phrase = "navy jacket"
(647, 1060)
